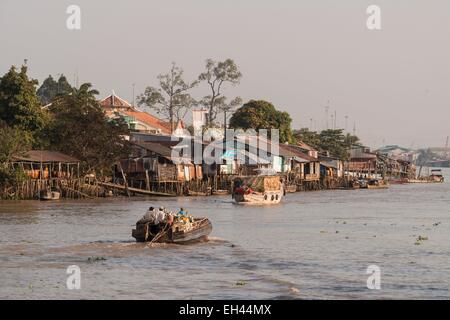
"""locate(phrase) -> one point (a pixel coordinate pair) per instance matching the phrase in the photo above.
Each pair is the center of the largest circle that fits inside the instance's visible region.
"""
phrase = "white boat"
(436, 175)
(49, 195)
(258, 190)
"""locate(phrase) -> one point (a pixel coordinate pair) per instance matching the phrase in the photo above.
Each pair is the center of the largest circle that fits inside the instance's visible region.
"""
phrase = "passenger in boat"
(160, 216)
(182, 212)
(149, 216)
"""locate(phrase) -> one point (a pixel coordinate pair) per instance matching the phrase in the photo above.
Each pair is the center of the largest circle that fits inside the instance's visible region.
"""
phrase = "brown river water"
(314, 245)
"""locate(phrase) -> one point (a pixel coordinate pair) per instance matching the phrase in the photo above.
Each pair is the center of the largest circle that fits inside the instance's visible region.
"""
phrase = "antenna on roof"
(134, 84)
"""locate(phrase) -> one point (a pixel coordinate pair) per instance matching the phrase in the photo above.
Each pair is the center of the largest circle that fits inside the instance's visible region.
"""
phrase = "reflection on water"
(313, 245)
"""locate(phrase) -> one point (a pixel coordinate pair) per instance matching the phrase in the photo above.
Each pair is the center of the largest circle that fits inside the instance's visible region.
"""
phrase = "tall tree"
(80, 128)
(216, 75)
(311, 138)
(13, 142)
(260, 114)
(351, 140)
(332, 140)
(51, 88)
(19, 104)
(172, 99)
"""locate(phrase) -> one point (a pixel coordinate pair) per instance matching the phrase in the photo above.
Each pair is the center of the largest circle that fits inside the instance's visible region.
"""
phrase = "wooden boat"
(198, 193)
(352, 185)
(398, 180)
(290, 188)
(220, 192)
(48, 195)
(180, 232)
(377, 184)
(436, 175)
(258, 190)
(192, 193)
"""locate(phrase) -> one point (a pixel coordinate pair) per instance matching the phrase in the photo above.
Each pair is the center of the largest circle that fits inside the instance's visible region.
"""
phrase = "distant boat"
(220, 192)
(258, 190)
(377, 184)
(290, 188)
(49, 195)
(436, 175)
(398, 180)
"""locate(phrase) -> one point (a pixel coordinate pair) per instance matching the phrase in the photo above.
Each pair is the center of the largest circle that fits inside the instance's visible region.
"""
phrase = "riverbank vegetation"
(73, 123)
(59, 117)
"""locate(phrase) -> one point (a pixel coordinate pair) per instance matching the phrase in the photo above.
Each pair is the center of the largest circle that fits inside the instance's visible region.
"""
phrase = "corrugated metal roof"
(159, 149)
(46, 156)
(295, 150)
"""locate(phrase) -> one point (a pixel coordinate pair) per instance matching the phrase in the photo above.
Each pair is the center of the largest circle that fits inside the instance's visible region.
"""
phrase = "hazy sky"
(393, 83)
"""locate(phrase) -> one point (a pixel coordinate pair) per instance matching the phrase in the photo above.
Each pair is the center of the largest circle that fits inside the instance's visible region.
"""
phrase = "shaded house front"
(43, 164)
(331, 167)
(153, 162)
(301, 166)
(362, 162)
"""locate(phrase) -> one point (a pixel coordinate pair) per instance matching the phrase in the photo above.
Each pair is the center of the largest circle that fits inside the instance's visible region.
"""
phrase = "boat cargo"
(258, 190)
(185, 229)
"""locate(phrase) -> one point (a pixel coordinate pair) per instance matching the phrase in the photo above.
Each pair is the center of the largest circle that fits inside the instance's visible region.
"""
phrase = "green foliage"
(332, 140)
(260, 114)
(13, 142)
(80, 128)
(10, 176)
(311, 138)
(19, 104)
(51, 88)
(216, 75)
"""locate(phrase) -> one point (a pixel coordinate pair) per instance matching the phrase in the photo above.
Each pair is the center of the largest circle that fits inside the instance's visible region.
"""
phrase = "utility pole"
(134, 84)
(59, 77)
(335, 119)
(346, 123)
(76, 78)
(327, 107)
(224, 122)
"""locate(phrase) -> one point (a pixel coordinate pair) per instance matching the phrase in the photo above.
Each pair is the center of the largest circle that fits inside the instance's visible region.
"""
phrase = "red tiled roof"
(113, 101)
(150, 120)
(305, 146)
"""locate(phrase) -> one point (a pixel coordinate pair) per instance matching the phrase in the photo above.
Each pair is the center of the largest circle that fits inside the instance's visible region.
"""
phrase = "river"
(314, 245)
